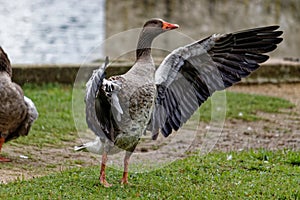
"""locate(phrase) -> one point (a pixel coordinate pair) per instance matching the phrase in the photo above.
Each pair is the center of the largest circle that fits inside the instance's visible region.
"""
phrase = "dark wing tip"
(278, 40)
(279, 33)
(264, 28)
(273, 27)
(166, 129)
(263, 58)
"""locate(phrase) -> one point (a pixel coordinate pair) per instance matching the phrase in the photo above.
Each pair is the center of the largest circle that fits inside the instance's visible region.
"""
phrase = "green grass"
(248, 175)
(55, 123)
(245, 106)
(253, 174)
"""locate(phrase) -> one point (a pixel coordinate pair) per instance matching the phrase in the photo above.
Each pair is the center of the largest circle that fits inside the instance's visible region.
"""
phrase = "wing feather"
(101, 97)
(191, 74)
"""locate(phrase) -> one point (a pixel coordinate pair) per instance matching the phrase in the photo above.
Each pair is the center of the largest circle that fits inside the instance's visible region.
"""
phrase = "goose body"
(17, 112)
(119, 109)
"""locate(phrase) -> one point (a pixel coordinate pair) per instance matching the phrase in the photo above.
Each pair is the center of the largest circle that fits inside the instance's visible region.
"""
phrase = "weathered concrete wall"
(197, 19)
(56, 73)
(273, 71)
(200, 18)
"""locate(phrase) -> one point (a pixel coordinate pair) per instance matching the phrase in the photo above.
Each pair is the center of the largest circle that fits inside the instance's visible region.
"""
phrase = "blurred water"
(50, 31)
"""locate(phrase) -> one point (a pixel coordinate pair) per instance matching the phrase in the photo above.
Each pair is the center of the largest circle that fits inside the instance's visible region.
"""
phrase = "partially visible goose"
(120, 109)
(17, 112)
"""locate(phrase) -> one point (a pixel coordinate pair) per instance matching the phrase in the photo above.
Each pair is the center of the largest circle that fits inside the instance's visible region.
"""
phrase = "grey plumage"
(163, 100)
(190, 74)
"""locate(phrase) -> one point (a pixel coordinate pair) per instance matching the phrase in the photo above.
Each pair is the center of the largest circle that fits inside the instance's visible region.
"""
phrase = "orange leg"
(124, 179)
(102, 171)
(2, 159)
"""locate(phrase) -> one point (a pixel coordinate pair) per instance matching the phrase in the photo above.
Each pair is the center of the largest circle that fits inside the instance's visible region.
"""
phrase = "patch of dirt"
(30, 162)
(276, 131)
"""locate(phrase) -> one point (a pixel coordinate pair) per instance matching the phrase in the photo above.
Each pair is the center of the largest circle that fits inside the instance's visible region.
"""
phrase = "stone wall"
(200, 18)
(273, 71)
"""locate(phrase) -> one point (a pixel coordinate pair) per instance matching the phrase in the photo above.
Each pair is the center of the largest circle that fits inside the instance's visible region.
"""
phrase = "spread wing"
(190, 74)
(101, 97)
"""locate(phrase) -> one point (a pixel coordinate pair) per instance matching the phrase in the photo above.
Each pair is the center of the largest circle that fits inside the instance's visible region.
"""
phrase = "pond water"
(51, 31)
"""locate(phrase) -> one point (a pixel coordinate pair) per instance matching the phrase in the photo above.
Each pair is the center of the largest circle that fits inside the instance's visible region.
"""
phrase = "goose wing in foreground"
(190, 74)
(101, 96)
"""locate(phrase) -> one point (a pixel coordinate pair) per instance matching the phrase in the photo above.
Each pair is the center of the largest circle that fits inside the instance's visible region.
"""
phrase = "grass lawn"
(55, 123)
(248, 175)
(253, 174)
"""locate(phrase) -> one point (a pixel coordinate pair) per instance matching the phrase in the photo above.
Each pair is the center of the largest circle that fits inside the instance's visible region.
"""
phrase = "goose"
(17, 112)
(119, 109)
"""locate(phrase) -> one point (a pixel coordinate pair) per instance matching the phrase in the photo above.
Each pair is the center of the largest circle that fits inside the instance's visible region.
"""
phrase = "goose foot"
(104, 182)
(124, 180)
(102, 171)
(2, 159)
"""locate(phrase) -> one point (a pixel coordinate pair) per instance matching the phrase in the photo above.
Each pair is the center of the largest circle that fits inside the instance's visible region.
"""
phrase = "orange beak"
(169, 26)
